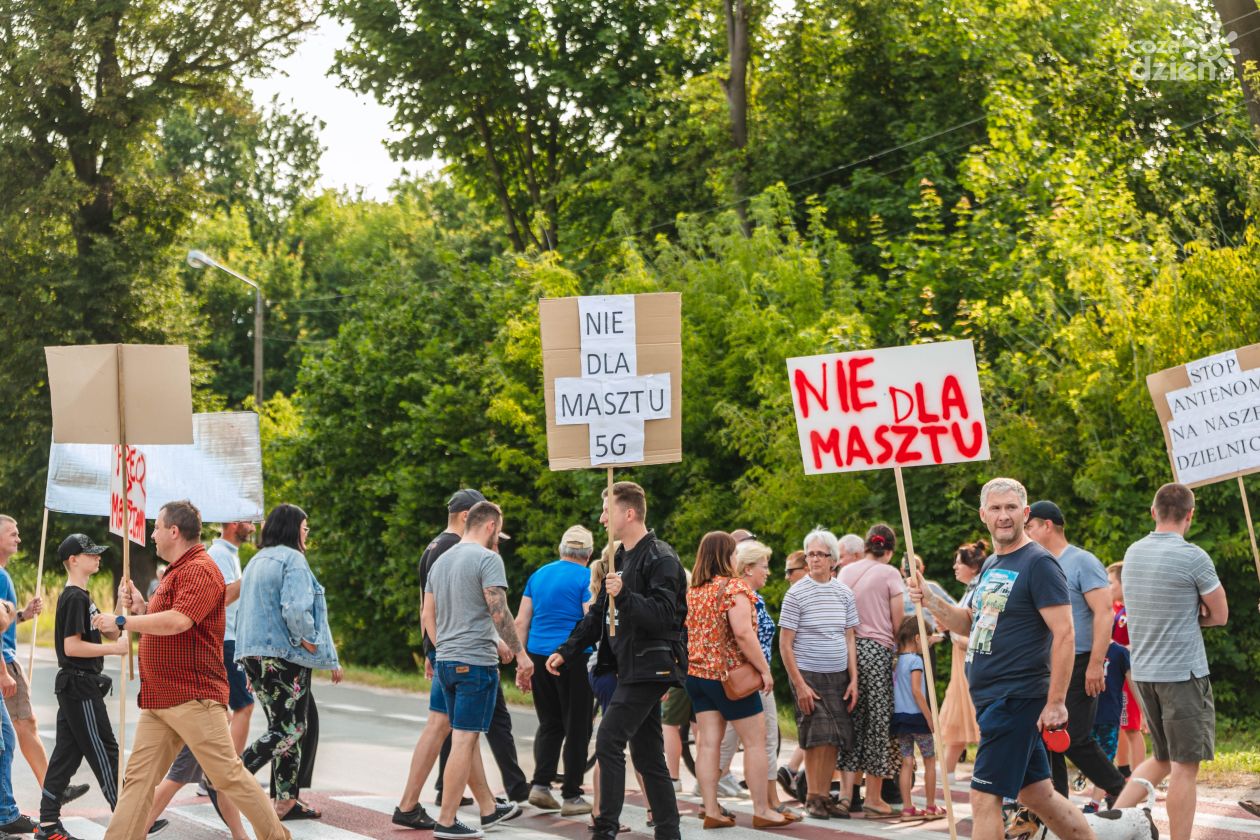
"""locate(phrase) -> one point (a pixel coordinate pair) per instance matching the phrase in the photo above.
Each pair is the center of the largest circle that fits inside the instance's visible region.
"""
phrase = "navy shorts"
(708, 696)
(437, 700)
(469, 693)
(239, 695)
(1011, 755)
(604, 685)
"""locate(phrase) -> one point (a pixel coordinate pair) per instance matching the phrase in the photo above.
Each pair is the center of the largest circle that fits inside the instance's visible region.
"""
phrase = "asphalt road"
(367, 736)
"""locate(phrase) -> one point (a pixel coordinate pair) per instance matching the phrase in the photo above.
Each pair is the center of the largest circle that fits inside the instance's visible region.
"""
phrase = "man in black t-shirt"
(502, 744)
(83, 727)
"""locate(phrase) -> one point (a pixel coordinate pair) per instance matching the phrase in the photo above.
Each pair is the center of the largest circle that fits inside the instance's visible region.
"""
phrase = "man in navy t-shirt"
(555, 599)
(1019, 660)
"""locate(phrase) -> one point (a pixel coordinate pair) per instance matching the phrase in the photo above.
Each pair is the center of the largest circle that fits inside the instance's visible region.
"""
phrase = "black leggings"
(283, 690)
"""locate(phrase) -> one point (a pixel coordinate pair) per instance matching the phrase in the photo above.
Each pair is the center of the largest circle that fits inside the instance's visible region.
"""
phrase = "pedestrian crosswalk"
(355, 816)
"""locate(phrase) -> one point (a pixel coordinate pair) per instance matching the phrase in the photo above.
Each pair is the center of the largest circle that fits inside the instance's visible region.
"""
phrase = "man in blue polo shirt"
(1019, 662)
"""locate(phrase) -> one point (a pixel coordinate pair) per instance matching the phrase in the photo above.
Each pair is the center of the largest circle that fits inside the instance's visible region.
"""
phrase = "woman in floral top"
(721, 636)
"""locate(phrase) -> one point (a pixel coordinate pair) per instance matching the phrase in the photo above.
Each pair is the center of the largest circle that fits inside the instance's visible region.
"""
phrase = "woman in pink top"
(879, 591)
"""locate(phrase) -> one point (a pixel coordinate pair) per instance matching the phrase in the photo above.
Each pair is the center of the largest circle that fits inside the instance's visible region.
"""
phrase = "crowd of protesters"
(1043, 637)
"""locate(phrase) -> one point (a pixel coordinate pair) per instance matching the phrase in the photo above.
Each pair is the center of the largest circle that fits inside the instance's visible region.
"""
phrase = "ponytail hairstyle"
(880, 540)
(972, 554)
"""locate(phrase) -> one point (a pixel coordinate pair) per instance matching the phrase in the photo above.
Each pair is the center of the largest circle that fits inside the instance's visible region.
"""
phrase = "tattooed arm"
(496, 602)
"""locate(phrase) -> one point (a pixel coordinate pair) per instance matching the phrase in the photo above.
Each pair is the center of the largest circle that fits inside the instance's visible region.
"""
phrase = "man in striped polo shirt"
(1171, 591)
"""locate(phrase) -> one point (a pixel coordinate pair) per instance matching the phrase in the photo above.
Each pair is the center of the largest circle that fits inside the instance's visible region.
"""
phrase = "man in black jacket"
(650, 591)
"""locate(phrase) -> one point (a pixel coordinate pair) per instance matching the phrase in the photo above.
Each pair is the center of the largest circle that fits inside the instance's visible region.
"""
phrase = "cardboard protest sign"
(132, 469)
(98, 389)
(1210, 413)
(612, 367)
(220, 472)
(895, 407)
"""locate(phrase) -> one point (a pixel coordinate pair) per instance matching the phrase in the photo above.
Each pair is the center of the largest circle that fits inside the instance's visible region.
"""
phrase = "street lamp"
(199, 259)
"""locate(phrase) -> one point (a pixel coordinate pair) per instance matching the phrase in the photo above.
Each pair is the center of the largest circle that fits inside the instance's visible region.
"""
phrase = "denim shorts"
(437, 700)
(239, 696)
(708, 696)
(1011, 755)
(469, 693)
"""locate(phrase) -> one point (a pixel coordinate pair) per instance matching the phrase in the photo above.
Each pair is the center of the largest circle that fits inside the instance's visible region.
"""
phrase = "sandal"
(872, 814)
(300, 811)
(839, 810)
(933, 811)
(1250, 806)
(816, 807)
(729, 814)
(789, 813)
(912, 813)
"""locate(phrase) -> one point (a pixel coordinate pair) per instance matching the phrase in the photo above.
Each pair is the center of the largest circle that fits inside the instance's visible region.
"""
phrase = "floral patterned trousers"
(284, 691)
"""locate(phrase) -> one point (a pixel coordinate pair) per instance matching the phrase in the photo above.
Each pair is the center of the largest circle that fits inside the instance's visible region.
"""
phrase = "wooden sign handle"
(912, 569)
(612, 606)
(126, 569)
(39, 593)
(1251, 528)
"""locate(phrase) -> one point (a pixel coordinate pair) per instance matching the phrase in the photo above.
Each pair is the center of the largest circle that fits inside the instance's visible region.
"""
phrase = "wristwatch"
(121, 621)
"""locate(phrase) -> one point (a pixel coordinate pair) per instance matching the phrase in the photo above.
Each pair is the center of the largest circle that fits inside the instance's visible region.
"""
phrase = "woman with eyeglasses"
(879, 591)
(817, 643)
(282, 634)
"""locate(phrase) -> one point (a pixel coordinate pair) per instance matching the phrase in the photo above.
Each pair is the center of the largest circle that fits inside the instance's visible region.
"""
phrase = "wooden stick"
(39, 593)
(612, 607)
(912, 567)
(1251, 528)
(126, 572)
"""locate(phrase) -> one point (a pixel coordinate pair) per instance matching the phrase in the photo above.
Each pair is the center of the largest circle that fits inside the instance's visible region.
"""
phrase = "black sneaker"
(157, 826)
(417, 817)
(464, 801)
(73, 792)
(456, 831)
(503, 811)
(52, 832)
(22, 825)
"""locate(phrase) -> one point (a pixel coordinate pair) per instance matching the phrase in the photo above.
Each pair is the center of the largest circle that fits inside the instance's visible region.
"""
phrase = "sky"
(356, 126)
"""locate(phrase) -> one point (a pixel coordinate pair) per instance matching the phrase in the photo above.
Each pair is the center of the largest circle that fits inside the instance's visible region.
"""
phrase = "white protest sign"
(609, 398)
(137, 492)
(894, 407)
(1210, 411)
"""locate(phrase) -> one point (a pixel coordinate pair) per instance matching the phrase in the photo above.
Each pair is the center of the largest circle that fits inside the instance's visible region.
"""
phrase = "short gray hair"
(853, 544)
(576, 552)
(1003, 485)
(826, 538)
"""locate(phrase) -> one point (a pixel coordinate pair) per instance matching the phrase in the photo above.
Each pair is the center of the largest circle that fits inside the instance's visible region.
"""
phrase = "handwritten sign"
(1210, 411)
(612, 366)
(896, 407)
(136, 482)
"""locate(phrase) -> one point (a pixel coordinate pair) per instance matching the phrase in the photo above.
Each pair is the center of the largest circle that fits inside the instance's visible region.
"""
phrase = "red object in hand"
(1057, 740)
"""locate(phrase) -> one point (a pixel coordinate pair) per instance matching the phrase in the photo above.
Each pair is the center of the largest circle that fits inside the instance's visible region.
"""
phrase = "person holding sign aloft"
(650, 588)
(1021, 652)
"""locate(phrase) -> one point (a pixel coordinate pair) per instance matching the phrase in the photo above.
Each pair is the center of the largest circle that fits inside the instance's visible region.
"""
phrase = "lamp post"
(199, 259)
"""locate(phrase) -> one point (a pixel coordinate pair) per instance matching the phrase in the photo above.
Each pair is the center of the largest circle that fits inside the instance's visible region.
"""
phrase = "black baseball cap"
(78, 544)
(464, 500)
(1048, 511)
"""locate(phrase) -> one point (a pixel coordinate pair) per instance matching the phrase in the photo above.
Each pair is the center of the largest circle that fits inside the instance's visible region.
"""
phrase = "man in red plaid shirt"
(183, 686)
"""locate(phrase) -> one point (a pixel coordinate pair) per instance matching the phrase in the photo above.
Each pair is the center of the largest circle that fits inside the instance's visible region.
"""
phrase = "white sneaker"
(677, 785)
(729, 787)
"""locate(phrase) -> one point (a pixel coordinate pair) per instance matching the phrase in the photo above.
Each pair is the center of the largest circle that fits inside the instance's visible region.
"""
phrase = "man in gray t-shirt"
(458, 582)
(1171, 591)
(466, 614)
(1088, 591)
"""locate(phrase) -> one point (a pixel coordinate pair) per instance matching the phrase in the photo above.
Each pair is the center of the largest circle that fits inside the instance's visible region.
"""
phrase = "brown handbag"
(742, 680)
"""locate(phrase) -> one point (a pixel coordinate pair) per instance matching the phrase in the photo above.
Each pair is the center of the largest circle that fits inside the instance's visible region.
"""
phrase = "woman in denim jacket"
(282, 634)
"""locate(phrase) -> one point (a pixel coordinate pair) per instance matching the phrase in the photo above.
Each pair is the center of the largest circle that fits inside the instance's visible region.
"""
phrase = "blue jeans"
(8, 737)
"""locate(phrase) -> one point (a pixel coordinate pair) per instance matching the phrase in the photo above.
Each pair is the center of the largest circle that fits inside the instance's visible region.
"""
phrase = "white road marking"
(83, 828)
(408, 718)
(346, 707)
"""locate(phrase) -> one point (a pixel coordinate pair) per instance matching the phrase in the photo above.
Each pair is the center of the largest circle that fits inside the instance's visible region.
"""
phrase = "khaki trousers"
(203, 726)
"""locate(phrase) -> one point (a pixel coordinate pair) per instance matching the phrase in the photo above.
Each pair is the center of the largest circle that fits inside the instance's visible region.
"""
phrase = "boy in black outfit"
(83, 727)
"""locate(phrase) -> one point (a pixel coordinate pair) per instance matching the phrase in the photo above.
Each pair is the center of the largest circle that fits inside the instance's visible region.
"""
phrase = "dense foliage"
(913, 172)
